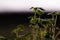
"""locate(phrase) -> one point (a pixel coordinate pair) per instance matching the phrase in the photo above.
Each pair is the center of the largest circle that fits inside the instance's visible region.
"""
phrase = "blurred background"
(15, 12)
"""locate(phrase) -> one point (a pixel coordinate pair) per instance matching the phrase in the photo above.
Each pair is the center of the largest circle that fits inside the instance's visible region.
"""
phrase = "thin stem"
(16, 36)
(39, 31)
(55, 24)
(33, 30)
(54, 28)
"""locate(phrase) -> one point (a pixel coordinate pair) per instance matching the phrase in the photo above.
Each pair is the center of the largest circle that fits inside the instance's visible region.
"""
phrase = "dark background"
(9, 20)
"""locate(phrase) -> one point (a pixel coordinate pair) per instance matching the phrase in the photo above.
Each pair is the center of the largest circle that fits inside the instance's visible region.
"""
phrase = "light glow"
(25, 5)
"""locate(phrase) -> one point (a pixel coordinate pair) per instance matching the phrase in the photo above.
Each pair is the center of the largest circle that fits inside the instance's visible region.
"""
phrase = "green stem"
(33, 34)
(55, 21)
(33, 30)
(16, 36)
(57, 35)
(54, 28)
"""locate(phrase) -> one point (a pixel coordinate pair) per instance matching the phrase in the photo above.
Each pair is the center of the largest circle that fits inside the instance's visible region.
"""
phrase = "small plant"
(19, 28)
(43, 28)
(36, 23)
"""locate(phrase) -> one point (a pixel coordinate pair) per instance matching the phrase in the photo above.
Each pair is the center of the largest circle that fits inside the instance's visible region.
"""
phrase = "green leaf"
(34, 9)
(30, 17)
(54, 13)
(19, 28)
(27, 36)
(39, 12)
(33, 20)
(57, 13)
(36, 26)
